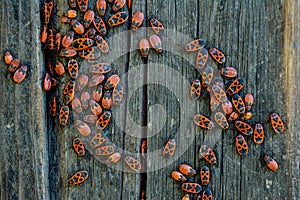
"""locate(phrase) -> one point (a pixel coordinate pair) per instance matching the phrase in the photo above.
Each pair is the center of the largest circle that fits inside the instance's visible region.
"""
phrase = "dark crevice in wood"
(126, 69)
(241, 178)
(143, 176)
(195, 105)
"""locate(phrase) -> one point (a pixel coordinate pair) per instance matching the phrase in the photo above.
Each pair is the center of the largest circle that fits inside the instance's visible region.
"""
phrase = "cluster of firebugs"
(86, 40)
(234, 108)
(97, 90)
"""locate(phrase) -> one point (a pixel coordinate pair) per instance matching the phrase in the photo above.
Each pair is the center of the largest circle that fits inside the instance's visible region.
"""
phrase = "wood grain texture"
(260, 39)
(24, 157)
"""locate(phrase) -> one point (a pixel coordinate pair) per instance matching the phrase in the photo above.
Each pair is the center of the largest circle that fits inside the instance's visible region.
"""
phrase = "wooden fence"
(260, 39)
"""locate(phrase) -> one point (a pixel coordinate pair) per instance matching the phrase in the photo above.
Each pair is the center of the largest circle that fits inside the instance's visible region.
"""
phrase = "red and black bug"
(217, 55)
(117, 19)
(117, 94)
(64, 115)
(96, 80)
(101, 7)
(101, 44)
(88, 18)
(44, 34)
(77, 26)
(83, 128)
(276, 122)
(68, 52)
(100, 25)
(112, 81)
(187, 170)
(144, 47)
(105, 150)
(214, 103)
(90, 53)
(53, 106)
(92, 119)
(114, 158)
(68, 39)
(169, 148)
(97, 93)
(50, 43)
(219, 93)
(118, 4)
(106, 100)
(47, 11)
(271, 163)
(195, 45)
(82, 43)
(241, 145)
(100, 68)
(207, 76)
(206, 194)
(201, 58)
(82, 81)
(47, 82)
(238, 103)
(71, 14)
(83, 5)
(95, 107)
(195, 90)
(221, 120)
(243, 127)
(156, 43)
(73, 68)
(259, 133)
(69, 91)
(177, 176)
(204, 175)
(59, 68)
(76, 105)
(229, 72)
(203, 122)
(97, 140)
(8, 58)
(78, 146)
(103, 120)
(20, 74)
(85, 99)
(133, 163)
(137, 20)
(14, 65)
(249, 100)
(78, 177)
(236, 86)
(208, 154)
(193, 188)
(156, 25)
(227, 107)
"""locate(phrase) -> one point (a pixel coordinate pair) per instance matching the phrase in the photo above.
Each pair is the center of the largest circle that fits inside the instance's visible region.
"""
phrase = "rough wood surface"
(24, 145)
(260, 39)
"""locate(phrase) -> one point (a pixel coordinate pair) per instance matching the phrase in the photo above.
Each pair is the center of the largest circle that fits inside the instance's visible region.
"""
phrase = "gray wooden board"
(23, 139)
(260, 39)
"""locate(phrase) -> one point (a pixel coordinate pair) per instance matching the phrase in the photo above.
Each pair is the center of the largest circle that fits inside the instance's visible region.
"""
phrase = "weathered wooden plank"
(245, 32)
(170, 74)
(291, 61)
(134, 118)
(24, 156)
(104, 181)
